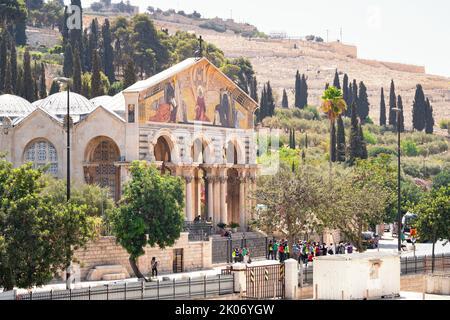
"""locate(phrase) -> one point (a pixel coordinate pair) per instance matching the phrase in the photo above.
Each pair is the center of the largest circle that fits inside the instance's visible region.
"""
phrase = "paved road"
(389, 243)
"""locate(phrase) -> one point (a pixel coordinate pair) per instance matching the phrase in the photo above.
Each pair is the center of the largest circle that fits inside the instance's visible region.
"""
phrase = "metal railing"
(198, 231)
(190, 288)
(408, 265)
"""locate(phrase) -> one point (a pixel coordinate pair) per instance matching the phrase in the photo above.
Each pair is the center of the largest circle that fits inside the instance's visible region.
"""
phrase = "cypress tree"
(333, 142)
(129, 74)
(429, 119)
(304, 92)
(36, 90)
(3, 59)
(76, 71)
(20, 34)
(290, 138)
(13, 61)
(419, 109)
(76, 34)
(297, 90)
(93, 43)
(355, 138)
(65, 29)
(42, 86)
(345, 92)
(270, 101)
(54, 88)
(263, 108)
(392, 104)
(363, 103)
(7, 87)
(254, 89)
(68, 61)
(108, 56)
(85, 86)
(96, 83)
(340, 148)
(336, 82)
(284, 100)
(86, 57)
(293, 139)
(27, 77)
(401, 122)
(348, 111)
(363, 146)
(306, 140)
(20, 90)
(382, 109)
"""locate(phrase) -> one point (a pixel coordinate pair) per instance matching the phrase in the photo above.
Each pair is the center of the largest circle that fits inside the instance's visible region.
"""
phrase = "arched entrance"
(232, 197)
(163, 153)
(100, 169)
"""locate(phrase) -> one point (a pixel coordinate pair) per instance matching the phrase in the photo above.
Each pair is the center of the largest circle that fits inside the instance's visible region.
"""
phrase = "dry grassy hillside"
(277, 61)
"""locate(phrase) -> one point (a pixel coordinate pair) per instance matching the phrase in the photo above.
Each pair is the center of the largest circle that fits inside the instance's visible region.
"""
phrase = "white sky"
(414, 31)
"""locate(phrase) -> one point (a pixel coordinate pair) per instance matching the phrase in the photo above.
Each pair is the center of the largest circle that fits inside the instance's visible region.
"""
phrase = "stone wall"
(105, 251)
(394, 66)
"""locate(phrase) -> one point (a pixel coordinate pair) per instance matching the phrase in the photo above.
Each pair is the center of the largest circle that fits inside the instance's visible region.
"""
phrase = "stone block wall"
(105, 251)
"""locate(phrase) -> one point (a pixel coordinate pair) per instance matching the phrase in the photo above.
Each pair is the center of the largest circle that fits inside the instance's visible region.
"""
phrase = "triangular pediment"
(193, 91)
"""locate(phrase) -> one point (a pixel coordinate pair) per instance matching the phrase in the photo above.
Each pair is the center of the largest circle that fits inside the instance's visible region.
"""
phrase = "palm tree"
(333, 104)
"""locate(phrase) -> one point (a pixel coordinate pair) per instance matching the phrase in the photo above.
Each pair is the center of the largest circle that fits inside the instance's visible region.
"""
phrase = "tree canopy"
(150, 211)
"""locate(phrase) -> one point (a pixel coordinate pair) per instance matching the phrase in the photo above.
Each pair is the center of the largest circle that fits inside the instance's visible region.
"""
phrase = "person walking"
(330, 249)
(281, 251)
(275, 250)
(286, 250)
(349, 248)
(270, 250)
(154, 265)
(244, 254)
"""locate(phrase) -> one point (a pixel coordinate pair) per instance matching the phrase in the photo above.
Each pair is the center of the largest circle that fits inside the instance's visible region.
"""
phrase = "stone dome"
(14, 106)
(56, 104)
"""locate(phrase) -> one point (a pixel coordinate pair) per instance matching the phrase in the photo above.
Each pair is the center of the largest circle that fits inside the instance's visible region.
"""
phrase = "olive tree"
(150, 212)
(433, 217)
(38, 235)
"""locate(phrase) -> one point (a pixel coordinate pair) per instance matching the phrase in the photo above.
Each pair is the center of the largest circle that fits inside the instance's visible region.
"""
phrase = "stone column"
(189, 214)
(210, 209)
(242, 209)
(223, 202)
(216, 203)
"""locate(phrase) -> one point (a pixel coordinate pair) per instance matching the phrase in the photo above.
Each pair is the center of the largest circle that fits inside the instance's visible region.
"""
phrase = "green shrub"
(213, 26)
(369, 137)
(444, 124)
(409, 148)
(377, 150)
(441, 179)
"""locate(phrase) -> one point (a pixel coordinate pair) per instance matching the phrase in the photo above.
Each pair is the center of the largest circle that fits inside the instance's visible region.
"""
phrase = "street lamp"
(399, 214)
(62, 80)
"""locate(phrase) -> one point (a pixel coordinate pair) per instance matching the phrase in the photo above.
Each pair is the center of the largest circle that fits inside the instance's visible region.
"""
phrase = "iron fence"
(222, 248)
(408, 265)
(198, 231)
(190, 288)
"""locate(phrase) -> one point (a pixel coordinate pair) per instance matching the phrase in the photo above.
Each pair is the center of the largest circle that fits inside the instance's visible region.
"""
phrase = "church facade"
(190, 121)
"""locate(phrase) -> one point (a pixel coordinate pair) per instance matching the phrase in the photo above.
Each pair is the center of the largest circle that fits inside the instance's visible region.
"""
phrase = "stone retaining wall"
(105, 251)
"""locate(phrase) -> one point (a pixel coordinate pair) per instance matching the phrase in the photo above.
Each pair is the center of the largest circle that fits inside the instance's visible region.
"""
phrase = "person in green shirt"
(286, 249)
(275, 250)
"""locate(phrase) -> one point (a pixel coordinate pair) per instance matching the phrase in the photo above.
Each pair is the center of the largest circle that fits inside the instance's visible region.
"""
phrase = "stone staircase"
(108, 272)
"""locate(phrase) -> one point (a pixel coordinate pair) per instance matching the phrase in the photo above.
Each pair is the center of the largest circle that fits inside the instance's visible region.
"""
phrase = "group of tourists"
(278, 248)
(305, 251)
(241, 255)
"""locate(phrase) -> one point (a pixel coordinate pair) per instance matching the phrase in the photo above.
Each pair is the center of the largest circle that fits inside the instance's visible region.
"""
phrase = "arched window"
(40, 153)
